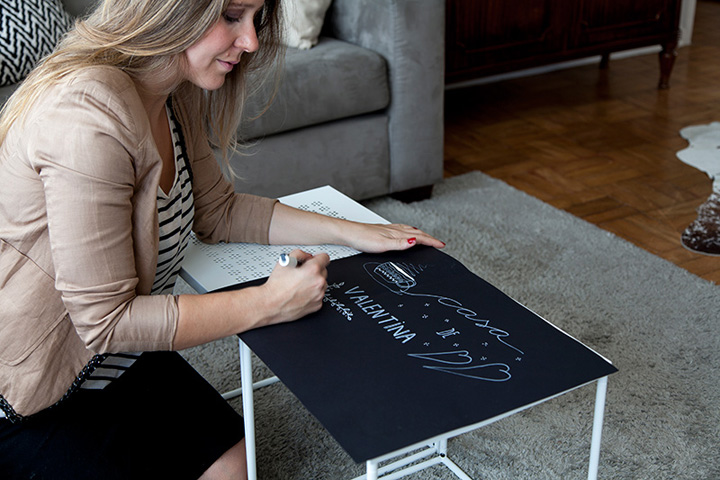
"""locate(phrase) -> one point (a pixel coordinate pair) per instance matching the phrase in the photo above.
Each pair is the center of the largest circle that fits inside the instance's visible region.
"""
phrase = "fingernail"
(412, 241)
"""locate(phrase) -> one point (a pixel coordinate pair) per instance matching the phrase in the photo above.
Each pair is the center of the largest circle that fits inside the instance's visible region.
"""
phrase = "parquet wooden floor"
(601, 144)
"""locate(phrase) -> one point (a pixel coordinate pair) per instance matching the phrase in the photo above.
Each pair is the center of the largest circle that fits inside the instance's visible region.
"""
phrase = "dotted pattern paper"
(209, 267)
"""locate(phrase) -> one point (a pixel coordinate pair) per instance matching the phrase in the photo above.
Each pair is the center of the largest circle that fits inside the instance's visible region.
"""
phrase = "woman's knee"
(232, 465)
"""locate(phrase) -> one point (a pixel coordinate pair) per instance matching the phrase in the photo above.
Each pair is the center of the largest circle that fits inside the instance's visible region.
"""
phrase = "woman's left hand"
(377, 238)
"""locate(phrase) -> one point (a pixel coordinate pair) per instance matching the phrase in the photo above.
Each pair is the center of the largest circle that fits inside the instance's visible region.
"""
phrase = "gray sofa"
(361, 111)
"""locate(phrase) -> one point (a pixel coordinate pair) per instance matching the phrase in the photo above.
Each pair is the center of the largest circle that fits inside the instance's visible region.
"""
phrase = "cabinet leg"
(667, 61)
(605, 61)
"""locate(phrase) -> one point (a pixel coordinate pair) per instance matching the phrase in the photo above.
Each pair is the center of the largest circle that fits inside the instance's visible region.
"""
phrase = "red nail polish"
(412, 241)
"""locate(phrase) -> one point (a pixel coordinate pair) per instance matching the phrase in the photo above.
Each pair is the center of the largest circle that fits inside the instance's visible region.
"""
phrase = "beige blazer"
(79, 233)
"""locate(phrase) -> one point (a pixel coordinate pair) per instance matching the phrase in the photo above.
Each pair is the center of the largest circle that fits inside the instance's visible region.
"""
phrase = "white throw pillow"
(304, 21)
(29, 30)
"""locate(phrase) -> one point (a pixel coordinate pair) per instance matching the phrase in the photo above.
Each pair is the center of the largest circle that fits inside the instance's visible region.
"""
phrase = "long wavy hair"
(147, 37)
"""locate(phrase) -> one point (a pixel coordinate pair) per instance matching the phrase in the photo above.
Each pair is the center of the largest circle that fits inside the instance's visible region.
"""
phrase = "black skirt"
(160, 419)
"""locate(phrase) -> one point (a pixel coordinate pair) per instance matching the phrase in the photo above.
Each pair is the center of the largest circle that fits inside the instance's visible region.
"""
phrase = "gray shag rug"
(656, 322)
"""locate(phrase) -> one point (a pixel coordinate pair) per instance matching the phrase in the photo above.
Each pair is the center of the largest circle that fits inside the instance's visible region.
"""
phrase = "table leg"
(246, 382)
(372, 470)
(597, 428)
(441, 446)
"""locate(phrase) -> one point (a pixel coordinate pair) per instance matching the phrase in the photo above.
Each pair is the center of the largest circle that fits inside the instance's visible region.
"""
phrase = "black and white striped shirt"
(175, 216)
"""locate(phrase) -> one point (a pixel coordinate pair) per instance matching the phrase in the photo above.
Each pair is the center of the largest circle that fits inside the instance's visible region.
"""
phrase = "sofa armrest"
(410, 35)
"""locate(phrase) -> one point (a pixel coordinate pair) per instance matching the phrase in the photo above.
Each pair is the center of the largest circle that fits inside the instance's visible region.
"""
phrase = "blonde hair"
(146, 37)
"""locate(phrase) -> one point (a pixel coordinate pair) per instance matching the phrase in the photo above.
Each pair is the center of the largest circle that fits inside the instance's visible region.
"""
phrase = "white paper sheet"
(210, 267)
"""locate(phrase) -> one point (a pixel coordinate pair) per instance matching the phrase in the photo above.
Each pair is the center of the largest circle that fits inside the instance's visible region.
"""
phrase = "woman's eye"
(233, 15)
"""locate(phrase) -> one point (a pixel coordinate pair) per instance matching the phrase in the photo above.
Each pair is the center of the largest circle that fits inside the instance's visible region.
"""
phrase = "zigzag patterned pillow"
(29, 30)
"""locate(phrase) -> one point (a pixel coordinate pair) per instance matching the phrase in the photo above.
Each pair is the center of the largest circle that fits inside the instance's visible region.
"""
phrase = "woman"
(105, 166)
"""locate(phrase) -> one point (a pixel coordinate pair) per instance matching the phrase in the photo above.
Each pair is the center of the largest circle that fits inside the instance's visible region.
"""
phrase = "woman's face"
(219, 50)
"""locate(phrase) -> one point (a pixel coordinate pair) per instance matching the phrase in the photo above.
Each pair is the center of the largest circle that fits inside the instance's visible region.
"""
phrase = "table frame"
(435, 449)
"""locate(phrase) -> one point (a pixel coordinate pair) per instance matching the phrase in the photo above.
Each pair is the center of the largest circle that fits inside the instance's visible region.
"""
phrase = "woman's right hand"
(297, 291)
(289, 294)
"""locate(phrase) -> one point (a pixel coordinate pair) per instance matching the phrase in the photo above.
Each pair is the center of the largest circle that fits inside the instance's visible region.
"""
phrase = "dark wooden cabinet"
(486, 37)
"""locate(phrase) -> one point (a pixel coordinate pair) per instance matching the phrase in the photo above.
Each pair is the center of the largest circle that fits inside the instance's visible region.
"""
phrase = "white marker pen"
(286, 260)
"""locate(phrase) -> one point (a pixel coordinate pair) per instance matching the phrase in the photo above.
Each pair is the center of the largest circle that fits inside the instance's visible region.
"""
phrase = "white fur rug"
(703, 153)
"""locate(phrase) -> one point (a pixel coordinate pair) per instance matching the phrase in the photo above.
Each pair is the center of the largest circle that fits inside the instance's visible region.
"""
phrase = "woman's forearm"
(204, 318)
(292, 226)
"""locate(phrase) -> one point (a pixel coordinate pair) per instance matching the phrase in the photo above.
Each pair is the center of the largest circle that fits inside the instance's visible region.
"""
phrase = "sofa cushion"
(29, 30)
(332, 80)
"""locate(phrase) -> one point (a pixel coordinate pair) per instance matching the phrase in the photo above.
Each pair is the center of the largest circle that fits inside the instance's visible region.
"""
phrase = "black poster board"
(411, 345)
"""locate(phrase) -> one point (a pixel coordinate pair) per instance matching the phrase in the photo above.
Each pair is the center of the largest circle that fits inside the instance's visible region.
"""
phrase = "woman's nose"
(247, 40)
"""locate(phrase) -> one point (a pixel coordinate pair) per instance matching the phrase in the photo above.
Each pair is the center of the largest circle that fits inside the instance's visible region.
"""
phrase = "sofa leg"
(413, 194)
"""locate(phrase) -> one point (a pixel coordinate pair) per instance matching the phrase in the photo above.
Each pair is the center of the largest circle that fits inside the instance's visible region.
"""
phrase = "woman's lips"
(227, 65)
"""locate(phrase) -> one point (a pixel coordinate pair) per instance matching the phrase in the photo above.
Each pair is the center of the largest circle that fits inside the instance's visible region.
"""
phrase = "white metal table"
(204, 272)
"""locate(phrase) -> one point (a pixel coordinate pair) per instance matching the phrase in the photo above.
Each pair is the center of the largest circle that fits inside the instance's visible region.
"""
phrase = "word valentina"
(374, 310)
